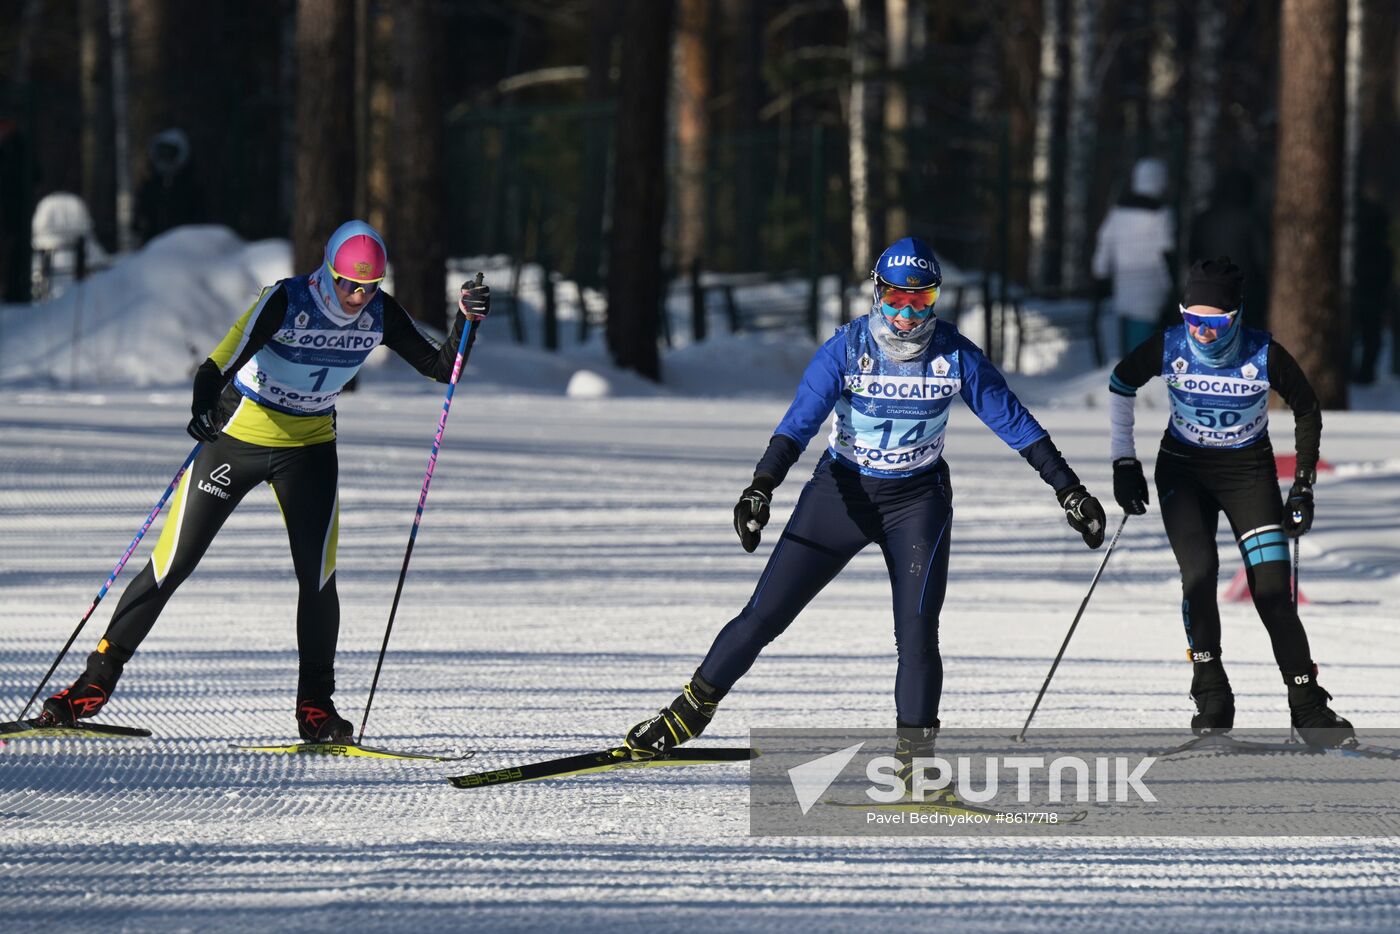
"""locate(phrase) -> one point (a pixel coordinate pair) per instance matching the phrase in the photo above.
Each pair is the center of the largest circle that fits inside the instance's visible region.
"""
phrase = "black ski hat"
(1218, 283)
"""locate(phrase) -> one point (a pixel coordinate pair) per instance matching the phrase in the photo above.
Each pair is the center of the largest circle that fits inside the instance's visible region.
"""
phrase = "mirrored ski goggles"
(348, 286)
(910, 304)
(1214, 322)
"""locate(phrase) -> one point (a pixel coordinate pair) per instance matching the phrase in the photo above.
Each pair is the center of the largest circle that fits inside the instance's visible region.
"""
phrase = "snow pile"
(770, 363)
(147, 321)
(153, 317)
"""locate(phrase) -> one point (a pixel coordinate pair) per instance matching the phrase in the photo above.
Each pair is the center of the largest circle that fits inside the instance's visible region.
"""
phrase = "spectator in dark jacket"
(171, 195)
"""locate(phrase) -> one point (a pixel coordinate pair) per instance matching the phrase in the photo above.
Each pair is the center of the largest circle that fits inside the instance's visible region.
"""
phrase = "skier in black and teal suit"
(1216, 457)
(264, 411)
(890, 376)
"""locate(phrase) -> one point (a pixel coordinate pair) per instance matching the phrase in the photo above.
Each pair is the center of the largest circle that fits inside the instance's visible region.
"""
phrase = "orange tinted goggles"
(917, 301)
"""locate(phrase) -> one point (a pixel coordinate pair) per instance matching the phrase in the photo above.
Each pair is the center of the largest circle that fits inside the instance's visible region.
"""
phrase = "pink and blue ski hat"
(356, 252)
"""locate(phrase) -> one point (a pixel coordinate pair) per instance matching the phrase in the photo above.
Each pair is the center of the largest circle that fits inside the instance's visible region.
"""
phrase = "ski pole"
(1020, 737)
(422, 501)
(1295, 577)
(112, 577)
(1292, 731)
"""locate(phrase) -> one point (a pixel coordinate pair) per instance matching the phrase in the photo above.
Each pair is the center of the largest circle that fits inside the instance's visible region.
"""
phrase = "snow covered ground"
(574, 563)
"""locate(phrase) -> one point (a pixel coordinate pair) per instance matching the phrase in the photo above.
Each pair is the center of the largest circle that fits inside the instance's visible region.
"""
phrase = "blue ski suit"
(882, 479)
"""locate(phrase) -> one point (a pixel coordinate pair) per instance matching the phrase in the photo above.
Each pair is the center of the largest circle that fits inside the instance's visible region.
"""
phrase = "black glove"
(1130, 486)
(1083, 513)
(751, 512)
(476, 299)
(204, 406)
(205, 427)
(1298, 511)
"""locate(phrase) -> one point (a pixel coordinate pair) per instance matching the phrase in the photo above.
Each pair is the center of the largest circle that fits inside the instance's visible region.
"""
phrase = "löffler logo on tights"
(221, 476)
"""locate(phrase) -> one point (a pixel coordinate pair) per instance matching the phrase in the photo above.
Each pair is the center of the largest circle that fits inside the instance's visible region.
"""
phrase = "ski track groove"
(614, 578)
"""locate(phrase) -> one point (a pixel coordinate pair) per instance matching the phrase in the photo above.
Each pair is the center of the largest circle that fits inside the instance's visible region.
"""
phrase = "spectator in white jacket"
(1133, 253)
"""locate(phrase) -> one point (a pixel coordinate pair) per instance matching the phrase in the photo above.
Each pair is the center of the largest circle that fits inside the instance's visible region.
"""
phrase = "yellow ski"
(350, 750)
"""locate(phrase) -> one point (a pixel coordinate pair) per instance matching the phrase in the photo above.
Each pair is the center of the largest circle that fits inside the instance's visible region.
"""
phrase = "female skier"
(891, 377)
(1216, 456)
(264, 410)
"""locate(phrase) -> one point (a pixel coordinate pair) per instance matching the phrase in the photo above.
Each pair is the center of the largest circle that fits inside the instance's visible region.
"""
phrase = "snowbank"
(149, 320)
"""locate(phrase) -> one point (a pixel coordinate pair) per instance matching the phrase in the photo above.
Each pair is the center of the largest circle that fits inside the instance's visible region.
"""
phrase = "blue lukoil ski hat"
(908, 264)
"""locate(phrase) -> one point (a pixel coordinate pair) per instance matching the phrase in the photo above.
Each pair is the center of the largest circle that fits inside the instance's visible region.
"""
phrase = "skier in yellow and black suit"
(264, 407)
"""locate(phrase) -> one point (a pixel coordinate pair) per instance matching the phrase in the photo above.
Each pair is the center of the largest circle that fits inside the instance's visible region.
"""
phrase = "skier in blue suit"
(890, 377)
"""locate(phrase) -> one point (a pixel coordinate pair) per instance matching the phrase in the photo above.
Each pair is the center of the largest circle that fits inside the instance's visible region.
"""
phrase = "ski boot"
(685, 718)
(318, 722)
(1316, 723)
(917, 742)
(86, 696)
(1210, 689)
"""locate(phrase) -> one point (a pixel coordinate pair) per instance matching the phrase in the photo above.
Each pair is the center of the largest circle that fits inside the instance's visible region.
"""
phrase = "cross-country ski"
(592, 763)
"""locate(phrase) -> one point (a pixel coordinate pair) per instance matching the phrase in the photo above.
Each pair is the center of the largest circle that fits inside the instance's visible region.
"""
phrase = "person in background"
(171, 195)
(1133, 254)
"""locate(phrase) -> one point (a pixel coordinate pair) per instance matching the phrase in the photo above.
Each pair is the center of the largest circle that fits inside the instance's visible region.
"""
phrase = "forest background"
(625, 144)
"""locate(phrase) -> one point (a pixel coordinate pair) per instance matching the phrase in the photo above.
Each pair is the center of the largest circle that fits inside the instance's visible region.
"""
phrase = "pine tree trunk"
(692, 87)
(148, 29)
(590, 223)
(863, 120)
(1379, 119)
(419, 220)
(325, 128)
(1307, 314)
(99, 179)
(1204, 117)
(746, 20)
(1163, 75)
(902, 33)
(1082, 137)
(1047, 163)
(118, 26)
(1351, 146)
(639, 188)
(1020, 68)
(378, 137)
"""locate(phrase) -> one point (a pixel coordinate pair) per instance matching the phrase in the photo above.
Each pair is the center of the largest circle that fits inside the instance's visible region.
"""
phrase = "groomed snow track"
(574, 564)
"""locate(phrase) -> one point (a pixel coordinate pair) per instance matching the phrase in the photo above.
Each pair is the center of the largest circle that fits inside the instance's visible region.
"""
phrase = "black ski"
(84, 729)
(1225, 744)
(604, 760)
(349, 750)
